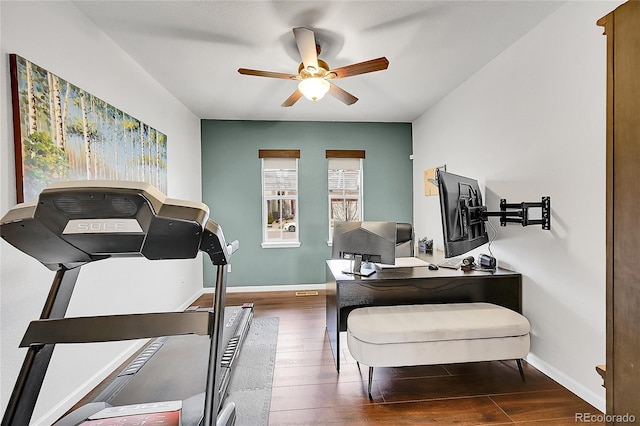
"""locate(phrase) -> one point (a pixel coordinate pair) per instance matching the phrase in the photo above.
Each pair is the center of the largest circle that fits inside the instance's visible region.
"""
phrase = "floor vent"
(307, 293)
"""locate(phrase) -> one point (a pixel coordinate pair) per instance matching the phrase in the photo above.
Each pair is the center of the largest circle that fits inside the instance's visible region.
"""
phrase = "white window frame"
(343, 164)
(268, 164)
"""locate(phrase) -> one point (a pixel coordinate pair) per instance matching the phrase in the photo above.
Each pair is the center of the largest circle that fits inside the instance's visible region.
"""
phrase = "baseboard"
(188, 302)
(577, 388)
(266, 288)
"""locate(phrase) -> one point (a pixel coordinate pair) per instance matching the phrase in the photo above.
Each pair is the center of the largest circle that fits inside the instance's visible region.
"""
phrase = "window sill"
(280, 244)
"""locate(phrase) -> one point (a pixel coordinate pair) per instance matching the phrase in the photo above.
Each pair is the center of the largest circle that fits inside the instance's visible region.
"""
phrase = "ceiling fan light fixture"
(313, 72)
(314, 88)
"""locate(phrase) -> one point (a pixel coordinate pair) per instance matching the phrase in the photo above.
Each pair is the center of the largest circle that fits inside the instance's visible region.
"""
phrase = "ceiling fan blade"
(342, 95)
(372, 65)
(295, 96)
(270, 74)
(306, 42)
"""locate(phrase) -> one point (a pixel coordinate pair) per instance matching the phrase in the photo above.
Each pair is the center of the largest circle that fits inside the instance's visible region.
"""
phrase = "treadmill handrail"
(109, 328)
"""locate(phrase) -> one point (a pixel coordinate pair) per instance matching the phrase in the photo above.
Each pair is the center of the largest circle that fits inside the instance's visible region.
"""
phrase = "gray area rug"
(252, 377)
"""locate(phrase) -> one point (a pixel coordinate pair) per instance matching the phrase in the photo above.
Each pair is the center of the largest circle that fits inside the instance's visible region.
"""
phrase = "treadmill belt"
(176, 372)
(175, 367)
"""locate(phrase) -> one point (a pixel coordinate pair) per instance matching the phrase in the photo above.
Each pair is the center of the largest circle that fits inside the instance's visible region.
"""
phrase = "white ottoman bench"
(408, 335)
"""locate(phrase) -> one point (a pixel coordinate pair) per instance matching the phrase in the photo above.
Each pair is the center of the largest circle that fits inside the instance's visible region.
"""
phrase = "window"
(280, 198)
(345, 187)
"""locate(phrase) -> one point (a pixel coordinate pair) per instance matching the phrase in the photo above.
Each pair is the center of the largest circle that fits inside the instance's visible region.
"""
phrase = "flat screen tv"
(463, 214)
(364, 242)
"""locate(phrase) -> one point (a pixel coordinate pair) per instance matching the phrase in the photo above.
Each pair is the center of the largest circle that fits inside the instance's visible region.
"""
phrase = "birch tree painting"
(65, 133)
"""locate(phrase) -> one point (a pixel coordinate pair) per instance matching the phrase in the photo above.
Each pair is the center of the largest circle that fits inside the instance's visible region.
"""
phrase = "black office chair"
(404, 240)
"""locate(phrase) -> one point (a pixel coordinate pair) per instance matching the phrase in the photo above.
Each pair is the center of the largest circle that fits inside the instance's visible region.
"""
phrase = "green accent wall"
(231, 188)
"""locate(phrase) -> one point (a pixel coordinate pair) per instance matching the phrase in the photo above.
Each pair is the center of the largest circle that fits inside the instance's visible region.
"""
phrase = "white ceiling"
(194, 49)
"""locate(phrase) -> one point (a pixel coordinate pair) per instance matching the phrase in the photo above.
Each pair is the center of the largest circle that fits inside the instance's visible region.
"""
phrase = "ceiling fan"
(314, 74)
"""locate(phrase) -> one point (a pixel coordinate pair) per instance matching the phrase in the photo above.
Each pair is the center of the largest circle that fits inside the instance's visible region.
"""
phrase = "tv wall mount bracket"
(519, 213)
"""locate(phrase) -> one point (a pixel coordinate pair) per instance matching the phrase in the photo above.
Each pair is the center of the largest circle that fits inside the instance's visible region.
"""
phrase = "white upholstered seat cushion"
(396, 336)
(435, 322)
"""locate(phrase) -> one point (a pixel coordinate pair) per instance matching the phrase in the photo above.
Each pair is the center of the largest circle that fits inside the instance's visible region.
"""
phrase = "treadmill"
(75, 223)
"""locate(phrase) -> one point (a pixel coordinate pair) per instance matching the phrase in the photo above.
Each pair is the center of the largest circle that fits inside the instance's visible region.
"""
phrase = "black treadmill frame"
(52, 323)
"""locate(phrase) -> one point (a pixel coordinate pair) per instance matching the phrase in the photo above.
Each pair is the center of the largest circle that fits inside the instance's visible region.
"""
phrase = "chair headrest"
(404, 232)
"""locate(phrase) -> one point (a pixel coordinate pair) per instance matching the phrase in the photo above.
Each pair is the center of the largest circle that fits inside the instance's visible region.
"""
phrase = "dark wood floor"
(307, 389)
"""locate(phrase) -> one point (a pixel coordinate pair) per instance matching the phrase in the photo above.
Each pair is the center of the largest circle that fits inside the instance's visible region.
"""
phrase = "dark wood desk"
(411, 285)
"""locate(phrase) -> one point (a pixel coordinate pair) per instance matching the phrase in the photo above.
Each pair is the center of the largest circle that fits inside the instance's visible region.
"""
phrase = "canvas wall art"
(63, 133)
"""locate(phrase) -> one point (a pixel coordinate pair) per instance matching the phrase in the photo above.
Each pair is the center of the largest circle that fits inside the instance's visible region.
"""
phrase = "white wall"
(532, 123)
(58, 37)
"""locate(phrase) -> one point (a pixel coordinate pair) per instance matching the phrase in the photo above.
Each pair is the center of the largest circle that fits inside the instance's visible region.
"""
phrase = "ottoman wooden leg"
(370, 380)
(520, 370)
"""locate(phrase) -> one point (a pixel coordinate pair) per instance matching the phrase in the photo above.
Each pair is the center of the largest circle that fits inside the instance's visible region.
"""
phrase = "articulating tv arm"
(519, 213)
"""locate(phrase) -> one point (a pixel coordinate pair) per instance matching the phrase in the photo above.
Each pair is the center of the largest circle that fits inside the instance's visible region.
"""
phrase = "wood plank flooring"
(307, 389)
